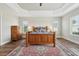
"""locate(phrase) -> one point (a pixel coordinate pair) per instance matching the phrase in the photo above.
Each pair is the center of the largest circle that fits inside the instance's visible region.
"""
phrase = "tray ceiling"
(46, 10)
(45, 6)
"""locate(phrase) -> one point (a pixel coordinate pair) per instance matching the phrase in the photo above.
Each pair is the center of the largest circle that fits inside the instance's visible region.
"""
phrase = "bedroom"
(57, 18)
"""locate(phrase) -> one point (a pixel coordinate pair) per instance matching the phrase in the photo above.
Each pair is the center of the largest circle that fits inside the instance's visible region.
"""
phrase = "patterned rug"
(36, 50)
(44, 50)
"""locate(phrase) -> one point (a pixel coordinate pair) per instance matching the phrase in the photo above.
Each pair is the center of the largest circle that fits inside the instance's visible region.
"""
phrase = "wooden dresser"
(15, 33)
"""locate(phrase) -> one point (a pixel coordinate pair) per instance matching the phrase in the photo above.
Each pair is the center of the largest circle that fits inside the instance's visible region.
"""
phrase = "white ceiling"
(45, 6)
(46, 10)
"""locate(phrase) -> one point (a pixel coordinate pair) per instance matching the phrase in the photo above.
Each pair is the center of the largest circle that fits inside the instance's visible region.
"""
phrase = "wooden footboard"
(40, 38)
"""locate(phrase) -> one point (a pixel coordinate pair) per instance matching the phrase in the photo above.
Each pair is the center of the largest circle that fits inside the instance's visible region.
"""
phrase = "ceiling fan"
(40, 4)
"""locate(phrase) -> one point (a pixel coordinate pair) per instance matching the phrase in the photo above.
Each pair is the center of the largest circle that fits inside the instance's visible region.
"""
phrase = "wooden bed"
(40, 38)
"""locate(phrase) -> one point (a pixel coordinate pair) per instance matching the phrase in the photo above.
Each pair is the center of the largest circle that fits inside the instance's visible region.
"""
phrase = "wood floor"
(70, 47)
(7, 48)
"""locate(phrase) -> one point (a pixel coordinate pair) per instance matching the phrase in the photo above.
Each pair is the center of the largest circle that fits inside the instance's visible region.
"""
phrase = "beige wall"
(8, 18)
(66, 26)
(42, 21)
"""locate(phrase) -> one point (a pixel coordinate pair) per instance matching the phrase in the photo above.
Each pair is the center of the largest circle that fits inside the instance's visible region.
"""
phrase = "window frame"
(74, 18)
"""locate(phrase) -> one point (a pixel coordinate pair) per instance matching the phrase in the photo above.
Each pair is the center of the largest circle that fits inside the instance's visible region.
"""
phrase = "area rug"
(36, 50)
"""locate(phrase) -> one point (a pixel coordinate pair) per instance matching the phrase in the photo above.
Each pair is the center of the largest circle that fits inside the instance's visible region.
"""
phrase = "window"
(75, 25)
(24, 26)
(55, 26)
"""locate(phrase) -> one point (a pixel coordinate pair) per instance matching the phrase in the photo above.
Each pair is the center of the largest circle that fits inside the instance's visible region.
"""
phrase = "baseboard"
(58, 37)
(2, 43)
(70, 40)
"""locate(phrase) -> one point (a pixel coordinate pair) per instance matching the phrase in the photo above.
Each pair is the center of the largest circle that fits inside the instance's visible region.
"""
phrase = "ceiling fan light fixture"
(40, 4)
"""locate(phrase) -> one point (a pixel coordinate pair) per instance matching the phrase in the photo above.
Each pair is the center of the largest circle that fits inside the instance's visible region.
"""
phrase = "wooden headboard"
(38, 28)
